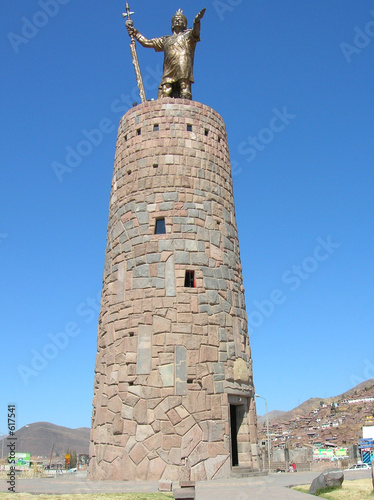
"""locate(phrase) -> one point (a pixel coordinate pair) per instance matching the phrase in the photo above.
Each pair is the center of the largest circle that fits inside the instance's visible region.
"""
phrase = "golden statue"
(179, 49)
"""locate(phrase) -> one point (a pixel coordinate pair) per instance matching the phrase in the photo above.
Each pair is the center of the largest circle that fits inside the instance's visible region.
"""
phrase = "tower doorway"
(234, 435)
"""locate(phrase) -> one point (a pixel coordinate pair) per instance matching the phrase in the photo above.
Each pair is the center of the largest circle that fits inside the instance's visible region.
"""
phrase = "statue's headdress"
(179, 14)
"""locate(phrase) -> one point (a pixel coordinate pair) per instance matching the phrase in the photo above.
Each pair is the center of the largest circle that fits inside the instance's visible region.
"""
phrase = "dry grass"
(89, 496)
(34, 472)
(360, 489)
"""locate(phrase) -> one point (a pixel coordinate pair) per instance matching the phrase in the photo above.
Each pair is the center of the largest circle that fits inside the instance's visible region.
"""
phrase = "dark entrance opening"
(234, 435)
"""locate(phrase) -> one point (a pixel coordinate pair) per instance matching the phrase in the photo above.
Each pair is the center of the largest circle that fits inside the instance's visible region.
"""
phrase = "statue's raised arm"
(196, 22)
(179, 51)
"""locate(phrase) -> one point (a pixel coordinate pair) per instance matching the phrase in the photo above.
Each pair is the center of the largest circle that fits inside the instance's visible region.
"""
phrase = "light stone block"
(180, 370)
(237, 330)
(143, 366)
(241, 371)
(167, 374)
(170, 277)
(121, 282)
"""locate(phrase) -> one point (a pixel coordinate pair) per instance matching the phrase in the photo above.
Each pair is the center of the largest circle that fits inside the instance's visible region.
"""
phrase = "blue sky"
(294, 83)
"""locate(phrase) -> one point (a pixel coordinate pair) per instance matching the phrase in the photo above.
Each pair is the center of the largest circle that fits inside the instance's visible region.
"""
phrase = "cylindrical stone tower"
(173, 383)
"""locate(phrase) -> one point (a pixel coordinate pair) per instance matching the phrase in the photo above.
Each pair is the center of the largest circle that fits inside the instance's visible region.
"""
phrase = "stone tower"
(173, 376)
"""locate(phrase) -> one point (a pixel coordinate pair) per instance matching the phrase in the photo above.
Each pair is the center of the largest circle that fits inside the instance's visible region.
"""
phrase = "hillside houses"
(335, 422)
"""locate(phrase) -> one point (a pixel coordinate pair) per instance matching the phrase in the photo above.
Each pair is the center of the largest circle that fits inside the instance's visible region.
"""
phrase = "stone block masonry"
(173, 384)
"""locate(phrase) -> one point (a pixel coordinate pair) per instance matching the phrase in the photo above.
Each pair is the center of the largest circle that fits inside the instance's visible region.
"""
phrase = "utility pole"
(50, 459)
(267, 427)
(2, 445)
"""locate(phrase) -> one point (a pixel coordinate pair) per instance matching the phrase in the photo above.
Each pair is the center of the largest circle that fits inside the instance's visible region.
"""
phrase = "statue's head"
(178, 22)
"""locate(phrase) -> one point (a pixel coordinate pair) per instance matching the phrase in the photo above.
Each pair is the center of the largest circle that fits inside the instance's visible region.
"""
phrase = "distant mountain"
(38, 439)
(273, 415)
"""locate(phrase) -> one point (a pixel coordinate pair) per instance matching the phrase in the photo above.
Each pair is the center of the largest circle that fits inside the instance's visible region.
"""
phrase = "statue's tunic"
(179, 51)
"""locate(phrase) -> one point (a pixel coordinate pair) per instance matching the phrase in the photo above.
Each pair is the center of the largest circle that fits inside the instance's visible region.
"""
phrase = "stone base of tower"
(174, 395)
(194, 441)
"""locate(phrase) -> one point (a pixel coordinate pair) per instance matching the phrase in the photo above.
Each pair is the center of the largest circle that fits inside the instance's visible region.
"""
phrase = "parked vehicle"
(359, 467)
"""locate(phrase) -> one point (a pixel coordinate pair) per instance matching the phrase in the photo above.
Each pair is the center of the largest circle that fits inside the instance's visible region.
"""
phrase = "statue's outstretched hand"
(199, 16)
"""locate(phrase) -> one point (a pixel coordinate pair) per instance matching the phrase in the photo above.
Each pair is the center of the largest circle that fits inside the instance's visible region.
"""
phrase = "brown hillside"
(38, 439)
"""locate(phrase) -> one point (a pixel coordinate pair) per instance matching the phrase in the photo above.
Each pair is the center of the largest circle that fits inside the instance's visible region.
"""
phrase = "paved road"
(274, 486)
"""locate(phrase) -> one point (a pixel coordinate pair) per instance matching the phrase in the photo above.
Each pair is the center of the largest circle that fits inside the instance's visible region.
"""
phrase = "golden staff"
(135, 61)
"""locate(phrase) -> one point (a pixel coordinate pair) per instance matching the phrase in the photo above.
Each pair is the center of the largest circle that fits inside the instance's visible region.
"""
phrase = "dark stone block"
(328, 479)
(184, 493)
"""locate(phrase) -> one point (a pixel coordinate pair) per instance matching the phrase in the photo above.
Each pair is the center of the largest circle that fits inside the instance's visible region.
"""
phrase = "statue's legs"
(165, 90)
(185, 86)
(181, 89)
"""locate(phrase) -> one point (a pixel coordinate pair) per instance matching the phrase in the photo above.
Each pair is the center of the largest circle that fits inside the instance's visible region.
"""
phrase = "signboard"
(323, 454)
(22, 459)
(341, 452)
(368, 431)
(366, 457)
(366, 443)
(330, 453)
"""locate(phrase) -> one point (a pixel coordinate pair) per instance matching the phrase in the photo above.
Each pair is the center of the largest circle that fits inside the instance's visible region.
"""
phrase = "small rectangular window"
(138, 131)
(160, 227)
(206, 132)
(156, 127)
(189, 128)
(189, 280)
